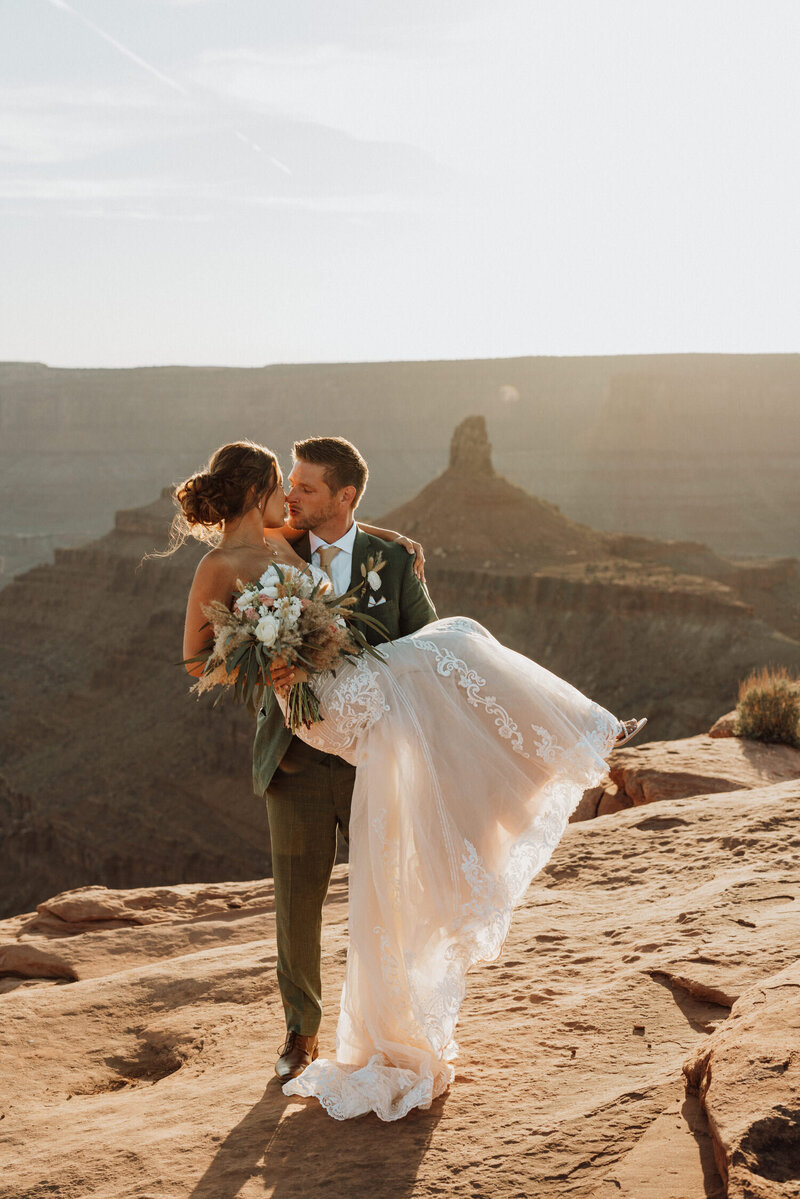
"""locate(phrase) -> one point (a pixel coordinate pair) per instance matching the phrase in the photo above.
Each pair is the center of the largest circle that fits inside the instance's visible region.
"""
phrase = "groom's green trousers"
(308, 798)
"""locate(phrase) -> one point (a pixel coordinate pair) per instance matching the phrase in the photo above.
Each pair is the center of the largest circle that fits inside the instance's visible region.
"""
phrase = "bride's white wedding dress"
(470, 759)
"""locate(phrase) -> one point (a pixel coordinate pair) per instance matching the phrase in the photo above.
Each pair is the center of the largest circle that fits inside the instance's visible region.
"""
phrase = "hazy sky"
(256, 181)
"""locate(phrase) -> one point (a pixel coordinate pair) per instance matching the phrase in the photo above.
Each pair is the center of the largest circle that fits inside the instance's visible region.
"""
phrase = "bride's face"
(274, 512)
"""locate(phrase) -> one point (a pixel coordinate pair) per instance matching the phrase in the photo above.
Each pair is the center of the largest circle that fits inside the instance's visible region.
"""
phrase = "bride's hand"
(414, 547)
(284, 677)
(281, 676)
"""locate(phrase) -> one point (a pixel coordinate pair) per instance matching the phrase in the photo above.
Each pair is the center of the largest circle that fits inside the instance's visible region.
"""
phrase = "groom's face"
(310, 499)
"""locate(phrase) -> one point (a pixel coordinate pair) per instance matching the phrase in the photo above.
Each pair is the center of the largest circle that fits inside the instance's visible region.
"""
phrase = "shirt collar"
(344, 543)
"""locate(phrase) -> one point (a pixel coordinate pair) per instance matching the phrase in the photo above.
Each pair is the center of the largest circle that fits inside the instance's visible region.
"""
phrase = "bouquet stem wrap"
(302, 707)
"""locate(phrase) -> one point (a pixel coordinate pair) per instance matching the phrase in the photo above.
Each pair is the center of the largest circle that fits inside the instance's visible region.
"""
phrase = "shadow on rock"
(297, 1150)
(695, 1117)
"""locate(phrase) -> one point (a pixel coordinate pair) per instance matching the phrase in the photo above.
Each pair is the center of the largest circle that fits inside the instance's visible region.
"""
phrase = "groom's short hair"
(344, 466)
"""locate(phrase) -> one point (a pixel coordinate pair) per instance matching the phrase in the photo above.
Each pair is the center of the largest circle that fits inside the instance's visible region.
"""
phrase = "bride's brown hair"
(235, 472)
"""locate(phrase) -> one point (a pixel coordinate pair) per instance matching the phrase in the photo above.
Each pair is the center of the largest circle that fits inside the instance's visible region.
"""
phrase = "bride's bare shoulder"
(216, 565)
(215, 558)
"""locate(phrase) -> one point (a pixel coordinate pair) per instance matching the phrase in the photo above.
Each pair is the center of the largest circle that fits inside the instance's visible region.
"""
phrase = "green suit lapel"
(362, 547)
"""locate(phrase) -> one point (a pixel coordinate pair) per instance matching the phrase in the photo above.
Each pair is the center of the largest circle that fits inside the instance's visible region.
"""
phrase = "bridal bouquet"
(282, 616)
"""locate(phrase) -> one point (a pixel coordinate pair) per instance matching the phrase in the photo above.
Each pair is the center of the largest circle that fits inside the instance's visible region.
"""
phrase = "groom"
(308, 793)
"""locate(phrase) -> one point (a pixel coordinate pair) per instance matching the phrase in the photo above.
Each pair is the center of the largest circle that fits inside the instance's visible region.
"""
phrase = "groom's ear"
(347, 497)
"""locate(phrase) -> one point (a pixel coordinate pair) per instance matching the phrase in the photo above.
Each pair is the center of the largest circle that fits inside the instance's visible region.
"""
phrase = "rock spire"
(470, 448)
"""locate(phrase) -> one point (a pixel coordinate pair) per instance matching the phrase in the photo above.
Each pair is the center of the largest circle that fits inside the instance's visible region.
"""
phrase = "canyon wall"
(110, 769)
(672, 653)
(113, 773)
(702, 447)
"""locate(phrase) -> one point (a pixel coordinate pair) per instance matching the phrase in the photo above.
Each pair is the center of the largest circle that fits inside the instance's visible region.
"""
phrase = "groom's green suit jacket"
(406, 607)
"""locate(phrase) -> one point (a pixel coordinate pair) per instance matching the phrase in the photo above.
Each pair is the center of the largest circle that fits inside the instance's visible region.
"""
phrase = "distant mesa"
(704, 448)
(471, 516)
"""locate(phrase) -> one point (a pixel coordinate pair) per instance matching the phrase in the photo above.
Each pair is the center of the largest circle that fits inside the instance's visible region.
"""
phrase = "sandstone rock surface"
(693, 765)
(643, 774)
(748, 1078)
(151, 1074)
(725, 726)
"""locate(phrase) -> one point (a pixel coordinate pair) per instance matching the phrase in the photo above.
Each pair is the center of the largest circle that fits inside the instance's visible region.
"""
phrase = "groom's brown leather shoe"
(297, 1053)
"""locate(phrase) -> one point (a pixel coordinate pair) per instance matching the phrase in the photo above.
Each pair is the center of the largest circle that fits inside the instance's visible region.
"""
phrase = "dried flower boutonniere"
(370, 572)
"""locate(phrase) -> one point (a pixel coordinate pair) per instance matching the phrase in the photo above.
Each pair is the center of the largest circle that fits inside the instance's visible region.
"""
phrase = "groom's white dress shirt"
(342, 564)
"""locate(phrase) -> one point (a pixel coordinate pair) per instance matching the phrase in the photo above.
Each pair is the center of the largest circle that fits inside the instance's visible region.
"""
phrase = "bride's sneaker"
(628, 730)
(297, 1053)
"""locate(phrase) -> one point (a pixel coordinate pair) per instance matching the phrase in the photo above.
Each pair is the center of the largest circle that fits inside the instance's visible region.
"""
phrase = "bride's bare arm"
(212, 581)
(408, 543)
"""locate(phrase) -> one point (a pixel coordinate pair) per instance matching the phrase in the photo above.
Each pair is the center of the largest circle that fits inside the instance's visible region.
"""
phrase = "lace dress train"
(470, 759)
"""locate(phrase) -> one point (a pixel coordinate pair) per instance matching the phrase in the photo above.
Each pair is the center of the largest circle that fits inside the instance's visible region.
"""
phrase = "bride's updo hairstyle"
(235, 474)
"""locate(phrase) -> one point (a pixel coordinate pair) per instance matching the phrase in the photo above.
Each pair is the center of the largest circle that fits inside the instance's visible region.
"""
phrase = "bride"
(470, 759)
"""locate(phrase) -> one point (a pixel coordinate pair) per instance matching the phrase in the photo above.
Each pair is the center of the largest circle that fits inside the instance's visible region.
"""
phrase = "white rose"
(374, 580)
(267, 629)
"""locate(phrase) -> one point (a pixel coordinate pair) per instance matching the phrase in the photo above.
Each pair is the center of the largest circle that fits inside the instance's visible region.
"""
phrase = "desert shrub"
(769, 707)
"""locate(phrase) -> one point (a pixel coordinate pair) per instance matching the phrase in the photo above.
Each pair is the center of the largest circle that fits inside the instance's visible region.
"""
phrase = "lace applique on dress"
(595, 742)
(390, 967)
(546, 749)
(351, 701)
(489, 906)
(378, 1086)
(357, 699)
(447, 664)
(437, 1001)
(390, 857)
(464, 624)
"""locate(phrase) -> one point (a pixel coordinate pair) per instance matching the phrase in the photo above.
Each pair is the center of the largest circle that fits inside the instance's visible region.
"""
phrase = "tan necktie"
(326, 555)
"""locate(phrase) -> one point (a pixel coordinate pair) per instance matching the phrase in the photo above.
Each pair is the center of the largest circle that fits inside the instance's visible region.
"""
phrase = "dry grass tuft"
(769, 707)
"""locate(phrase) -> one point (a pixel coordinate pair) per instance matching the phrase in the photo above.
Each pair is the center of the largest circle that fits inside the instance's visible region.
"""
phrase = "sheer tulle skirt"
(470, 759)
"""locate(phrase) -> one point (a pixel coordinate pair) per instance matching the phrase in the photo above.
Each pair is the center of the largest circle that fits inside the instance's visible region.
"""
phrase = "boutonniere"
(370, 572)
